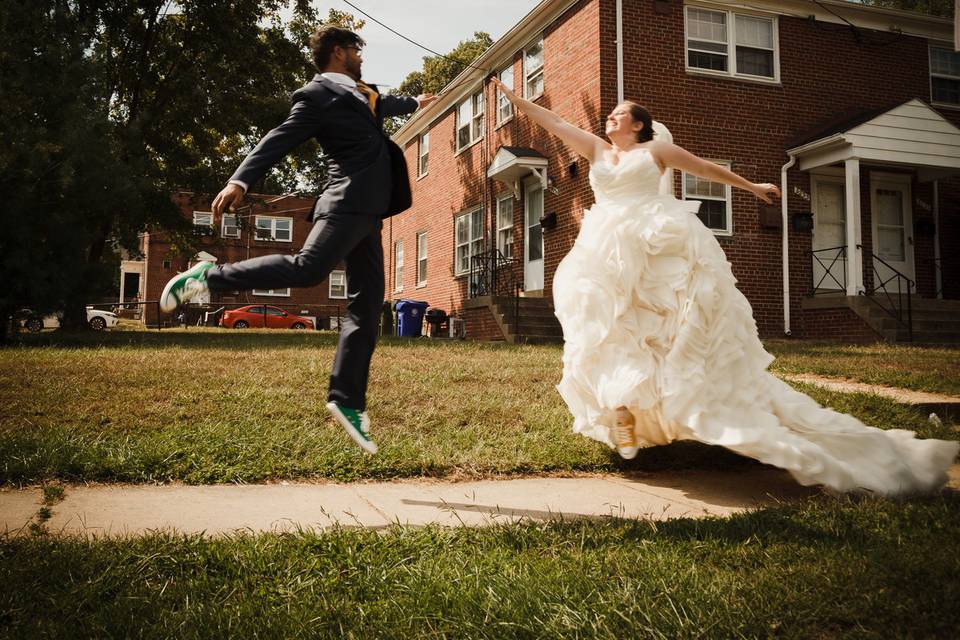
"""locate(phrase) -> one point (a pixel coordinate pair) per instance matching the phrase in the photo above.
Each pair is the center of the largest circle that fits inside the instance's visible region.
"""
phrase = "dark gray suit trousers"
(350, 237)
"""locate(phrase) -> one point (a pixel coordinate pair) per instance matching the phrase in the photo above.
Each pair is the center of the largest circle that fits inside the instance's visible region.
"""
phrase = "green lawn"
(824, 568)
(220, 406)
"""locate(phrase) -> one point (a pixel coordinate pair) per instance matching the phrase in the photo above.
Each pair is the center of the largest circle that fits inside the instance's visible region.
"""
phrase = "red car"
(262, 315)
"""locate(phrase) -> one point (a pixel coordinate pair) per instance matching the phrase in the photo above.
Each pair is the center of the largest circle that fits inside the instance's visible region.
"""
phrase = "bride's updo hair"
(639, 114)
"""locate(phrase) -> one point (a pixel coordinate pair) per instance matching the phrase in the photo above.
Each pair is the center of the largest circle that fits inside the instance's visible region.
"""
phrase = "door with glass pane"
(533, 236)
(892, 227)
(829, 197)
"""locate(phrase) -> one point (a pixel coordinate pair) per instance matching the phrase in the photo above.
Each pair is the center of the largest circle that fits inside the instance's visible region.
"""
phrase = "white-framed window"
(398, 265)
(422, 258)
(468, 236)
(944, 75)
(279, 293)
(505, 226)
(470, 120)
(533, 69)
(733, 44)
(504, 106)
(716, 210)
(424, 154)
(338, 285)
(229, 226)
(202, 219)
(274, 228)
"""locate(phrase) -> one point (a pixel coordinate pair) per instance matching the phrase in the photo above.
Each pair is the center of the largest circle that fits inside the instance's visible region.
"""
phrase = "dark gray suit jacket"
(368, 173)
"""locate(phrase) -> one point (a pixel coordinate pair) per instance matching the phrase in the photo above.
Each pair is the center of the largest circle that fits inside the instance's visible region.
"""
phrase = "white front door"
(829, 233)
(890, 200)
(533, 236)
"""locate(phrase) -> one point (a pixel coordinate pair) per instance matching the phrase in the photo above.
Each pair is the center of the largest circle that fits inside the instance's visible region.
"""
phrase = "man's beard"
(354, 69)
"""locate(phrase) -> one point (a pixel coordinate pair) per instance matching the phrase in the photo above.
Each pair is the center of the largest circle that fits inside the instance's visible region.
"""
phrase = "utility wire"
(414, 42)
(857, 32)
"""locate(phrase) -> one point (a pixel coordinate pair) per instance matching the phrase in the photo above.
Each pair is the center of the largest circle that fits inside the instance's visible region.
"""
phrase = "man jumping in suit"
(368, 182)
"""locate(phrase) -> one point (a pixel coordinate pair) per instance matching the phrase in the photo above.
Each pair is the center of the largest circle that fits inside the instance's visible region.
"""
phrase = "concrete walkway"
(127, 510)
(943, 405)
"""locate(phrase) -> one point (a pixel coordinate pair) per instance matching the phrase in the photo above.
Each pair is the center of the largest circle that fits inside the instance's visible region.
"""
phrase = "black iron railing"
(891, 291)
(833, 261)
(493, 274)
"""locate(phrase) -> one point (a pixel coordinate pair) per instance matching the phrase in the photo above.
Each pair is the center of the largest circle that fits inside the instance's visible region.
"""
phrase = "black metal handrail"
(897, 303)
(493, 274)
(841, 258)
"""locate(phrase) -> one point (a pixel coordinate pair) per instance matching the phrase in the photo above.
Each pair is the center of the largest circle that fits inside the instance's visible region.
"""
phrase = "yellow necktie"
(370, 94)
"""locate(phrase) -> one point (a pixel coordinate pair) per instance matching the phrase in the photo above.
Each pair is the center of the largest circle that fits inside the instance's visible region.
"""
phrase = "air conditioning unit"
(458, 328)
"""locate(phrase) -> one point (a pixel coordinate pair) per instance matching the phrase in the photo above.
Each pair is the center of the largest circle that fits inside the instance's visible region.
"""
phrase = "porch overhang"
(512, 164)
(910, 135)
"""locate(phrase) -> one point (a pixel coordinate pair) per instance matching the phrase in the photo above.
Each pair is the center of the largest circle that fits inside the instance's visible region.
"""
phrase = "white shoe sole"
(169, 302)
(366, 445)
(628, 453)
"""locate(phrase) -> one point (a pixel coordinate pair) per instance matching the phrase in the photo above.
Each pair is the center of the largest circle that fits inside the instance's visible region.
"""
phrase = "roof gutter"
(539, 17)
(620, 89)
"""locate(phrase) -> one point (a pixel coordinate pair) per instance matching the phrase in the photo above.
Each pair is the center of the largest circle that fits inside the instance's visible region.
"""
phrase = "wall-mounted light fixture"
(552, 185)
(549, 221)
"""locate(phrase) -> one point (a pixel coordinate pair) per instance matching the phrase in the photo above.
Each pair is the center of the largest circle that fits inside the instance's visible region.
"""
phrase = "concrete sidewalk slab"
(114, 510)
(943, 405)
(218, 509)
(18, 507)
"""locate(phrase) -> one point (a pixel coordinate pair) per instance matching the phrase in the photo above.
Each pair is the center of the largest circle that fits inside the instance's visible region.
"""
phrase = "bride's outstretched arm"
(583, 142)
(676, 157)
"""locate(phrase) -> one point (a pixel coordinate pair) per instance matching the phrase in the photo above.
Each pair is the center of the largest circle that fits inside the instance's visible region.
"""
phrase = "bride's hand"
(510, 95)
(763, 190)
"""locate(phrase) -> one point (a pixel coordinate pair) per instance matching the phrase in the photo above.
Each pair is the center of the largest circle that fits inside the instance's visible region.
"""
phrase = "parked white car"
(96, 319)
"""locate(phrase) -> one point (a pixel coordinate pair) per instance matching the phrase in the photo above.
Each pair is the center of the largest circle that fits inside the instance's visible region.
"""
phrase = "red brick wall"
(824, 72)
(750, 124)
(842, 325)
(457, 181)
(158, 250)
(481, 324)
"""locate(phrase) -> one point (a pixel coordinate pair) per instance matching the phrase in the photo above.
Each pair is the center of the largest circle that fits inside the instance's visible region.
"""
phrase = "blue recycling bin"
(410, 318)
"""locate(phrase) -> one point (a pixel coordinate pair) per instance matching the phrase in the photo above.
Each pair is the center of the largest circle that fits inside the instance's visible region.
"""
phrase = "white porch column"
(853, 235)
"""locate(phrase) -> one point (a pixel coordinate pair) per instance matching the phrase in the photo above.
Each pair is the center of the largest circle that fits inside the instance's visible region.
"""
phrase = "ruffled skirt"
(653, 321)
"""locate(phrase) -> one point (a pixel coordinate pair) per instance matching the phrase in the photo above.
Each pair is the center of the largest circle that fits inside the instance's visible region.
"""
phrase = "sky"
(437, 24)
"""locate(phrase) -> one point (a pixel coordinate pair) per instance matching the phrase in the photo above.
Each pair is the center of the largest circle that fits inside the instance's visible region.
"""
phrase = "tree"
(439, 71)
(944, 8)
(107, 106)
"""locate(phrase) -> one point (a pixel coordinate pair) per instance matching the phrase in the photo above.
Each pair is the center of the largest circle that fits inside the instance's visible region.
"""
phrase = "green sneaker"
(185, 286)
(355, 423)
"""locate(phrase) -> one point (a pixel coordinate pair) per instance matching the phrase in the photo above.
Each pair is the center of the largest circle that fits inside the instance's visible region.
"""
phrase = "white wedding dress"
(653, 321)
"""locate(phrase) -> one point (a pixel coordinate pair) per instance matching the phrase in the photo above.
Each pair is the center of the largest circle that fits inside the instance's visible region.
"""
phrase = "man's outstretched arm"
(401, 105)
(301, 125)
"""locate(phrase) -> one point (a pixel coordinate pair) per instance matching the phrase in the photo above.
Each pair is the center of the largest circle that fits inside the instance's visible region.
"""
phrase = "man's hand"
(231, 195)
(425, 99)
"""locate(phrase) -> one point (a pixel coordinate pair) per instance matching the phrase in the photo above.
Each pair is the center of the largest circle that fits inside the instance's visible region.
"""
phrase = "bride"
(660, 345)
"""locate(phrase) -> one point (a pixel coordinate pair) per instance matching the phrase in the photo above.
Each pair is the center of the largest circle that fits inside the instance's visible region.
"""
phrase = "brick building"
(264, 225)
(853, 110)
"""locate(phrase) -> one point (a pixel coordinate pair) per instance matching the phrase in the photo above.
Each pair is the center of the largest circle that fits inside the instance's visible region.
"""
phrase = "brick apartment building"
(264, 225)
(853, 110)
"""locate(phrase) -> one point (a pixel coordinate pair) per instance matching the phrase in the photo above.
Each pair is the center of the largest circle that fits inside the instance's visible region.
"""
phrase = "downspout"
(619, 51)
(938, 270)
(786, 244)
